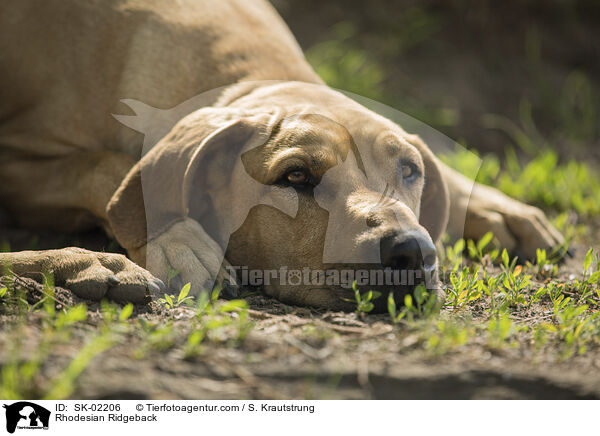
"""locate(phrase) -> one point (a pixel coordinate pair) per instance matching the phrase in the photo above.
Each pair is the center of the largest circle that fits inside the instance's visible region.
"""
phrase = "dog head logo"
(26, 415)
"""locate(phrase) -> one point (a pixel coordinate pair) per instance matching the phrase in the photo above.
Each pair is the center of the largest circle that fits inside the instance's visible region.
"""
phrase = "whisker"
(382, 198)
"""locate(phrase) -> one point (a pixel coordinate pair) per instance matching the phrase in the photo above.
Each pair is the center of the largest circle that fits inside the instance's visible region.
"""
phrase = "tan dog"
(68, 164)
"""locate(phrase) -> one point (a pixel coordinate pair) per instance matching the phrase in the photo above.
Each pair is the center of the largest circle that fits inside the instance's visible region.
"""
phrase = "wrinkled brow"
(313, 133)
(318, 158)
(305, 137)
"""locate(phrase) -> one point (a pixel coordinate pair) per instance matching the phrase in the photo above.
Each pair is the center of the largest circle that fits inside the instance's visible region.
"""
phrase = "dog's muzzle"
(412, 252)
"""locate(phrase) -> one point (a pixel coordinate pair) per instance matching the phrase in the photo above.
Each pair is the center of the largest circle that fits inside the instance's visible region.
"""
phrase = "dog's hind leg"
(478, 209)
(65, 193)
(68, 193)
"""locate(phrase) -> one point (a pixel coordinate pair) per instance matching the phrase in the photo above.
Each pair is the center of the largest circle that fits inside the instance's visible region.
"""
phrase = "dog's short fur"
(67, 163)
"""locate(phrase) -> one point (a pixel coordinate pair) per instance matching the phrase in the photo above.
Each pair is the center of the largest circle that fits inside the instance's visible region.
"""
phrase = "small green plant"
(156, 336)
(170, 302)
(481, 250)
(212, 321)
(573, 326)
(363, 302)
(515, 285)
(391, 307)
(218, 322)
(544, 266)
(443, 336)
(422, 304)
(454, 255)
(490, 287)
(553, 291)
(500, 329)
(507, 264)
(171, 274)
(465, 288)
(588, 288)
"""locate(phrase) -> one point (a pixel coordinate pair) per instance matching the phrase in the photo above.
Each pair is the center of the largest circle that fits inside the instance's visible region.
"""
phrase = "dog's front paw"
(92, 275)
(187, 249)
(520, 228)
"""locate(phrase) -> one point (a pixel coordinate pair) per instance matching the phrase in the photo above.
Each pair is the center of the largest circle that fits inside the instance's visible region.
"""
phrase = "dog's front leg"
(90, 275)
(187, 250)
(477, 209)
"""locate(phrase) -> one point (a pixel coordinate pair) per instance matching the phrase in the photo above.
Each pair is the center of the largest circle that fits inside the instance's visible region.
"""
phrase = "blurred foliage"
(345, 66)
(342, 63)
(480, 72)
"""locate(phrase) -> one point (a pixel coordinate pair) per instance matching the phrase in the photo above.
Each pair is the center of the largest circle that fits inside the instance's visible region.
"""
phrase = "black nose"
(408, 253)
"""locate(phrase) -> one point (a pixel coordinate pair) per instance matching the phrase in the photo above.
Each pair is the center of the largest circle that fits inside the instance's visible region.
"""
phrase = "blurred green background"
(517, 81)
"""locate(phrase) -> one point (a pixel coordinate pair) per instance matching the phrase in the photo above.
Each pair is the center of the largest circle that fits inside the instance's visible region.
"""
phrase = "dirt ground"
(301, 353)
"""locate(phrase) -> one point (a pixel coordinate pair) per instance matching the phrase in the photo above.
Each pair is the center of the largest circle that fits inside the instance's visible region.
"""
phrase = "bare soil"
(297, 352)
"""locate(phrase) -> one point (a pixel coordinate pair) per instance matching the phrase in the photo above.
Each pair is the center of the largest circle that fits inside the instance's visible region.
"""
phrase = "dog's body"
(67, 64)
(68, 164)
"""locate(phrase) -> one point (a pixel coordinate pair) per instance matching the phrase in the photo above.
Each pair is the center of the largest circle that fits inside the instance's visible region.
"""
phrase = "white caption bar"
(306, 418)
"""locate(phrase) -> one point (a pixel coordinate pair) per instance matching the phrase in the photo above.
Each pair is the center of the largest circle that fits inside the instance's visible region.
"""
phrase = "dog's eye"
(297, 177)
(408, 171)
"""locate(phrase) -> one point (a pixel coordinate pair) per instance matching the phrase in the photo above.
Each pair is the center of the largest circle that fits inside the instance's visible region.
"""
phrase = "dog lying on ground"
(266, 120)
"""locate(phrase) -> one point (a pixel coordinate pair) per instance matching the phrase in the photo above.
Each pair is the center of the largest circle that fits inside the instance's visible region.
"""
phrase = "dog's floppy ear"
(156, 192)
(435, 201)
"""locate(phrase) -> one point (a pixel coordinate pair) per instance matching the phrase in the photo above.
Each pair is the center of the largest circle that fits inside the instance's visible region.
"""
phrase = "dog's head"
(296, 179)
